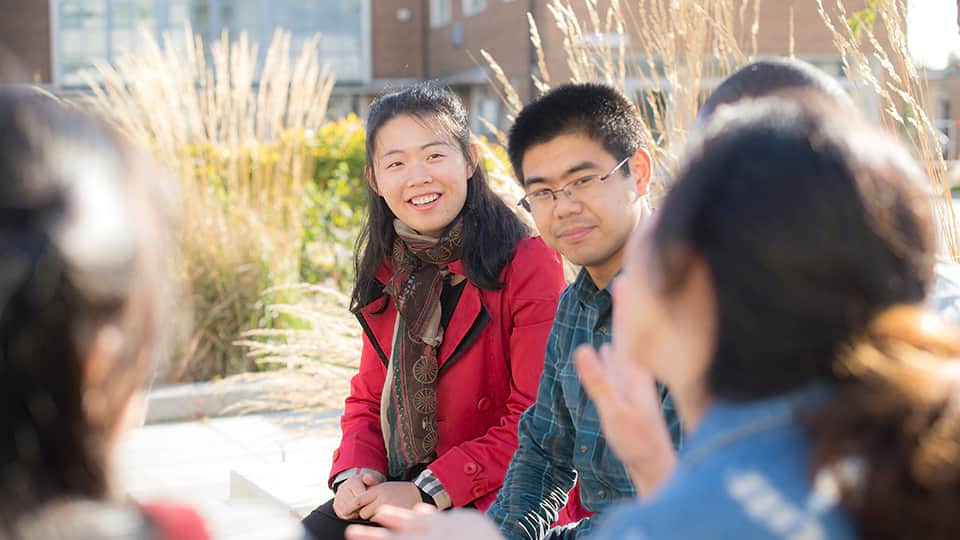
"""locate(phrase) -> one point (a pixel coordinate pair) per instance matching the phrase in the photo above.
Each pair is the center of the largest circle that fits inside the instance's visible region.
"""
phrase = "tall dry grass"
(678, 49)
(889, 75)
(233, 133)
(652, 49)
(670, 53)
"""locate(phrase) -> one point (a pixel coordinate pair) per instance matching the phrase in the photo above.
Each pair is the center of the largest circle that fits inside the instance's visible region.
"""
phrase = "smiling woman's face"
(421, 173)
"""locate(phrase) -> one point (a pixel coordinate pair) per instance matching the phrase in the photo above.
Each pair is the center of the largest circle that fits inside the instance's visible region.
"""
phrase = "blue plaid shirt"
(559, 435)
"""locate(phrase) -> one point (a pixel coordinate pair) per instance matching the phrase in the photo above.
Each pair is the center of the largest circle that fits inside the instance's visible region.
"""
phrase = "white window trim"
(56, 74)
(469, 10)
(366, 41)
(435, 22)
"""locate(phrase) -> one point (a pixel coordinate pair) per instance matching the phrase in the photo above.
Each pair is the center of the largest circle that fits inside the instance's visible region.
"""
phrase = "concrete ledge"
(181, 402)
(281, 485)
(245, 394)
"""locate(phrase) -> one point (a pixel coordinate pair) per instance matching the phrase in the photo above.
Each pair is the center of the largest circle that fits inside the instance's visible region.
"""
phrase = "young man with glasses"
(577, 152)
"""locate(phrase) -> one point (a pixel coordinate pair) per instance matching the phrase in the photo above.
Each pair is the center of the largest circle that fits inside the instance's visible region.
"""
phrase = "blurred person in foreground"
(85, 262)
(772, 76)
(779, 295)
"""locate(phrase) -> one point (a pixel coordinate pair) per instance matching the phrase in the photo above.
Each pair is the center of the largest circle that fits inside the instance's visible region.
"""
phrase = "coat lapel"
(377, 324)
(468, 320)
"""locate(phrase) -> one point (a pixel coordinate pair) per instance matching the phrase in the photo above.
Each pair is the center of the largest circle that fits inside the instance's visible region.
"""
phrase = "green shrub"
(244, 164)
(335, 203)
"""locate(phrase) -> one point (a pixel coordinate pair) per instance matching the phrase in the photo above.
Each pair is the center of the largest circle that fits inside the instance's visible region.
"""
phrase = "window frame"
(473, 7)
(435, 20)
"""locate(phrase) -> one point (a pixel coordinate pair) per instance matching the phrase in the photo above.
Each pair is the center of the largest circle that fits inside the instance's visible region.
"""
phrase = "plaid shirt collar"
(590, 296)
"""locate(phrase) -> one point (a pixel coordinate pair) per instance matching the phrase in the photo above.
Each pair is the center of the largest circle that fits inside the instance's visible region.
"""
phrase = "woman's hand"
(400, 494)
(345, 501)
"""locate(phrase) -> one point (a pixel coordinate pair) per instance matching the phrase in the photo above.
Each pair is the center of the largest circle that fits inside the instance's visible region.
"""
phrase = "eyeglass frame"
(565, 189)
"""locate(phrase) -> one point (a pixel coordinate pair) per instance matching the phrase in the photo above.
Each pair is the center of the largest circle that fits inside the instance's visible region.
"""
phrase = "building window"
(456, 34)
(102, 30)
(947, 128)
(340, 24)
(83, 36)
(472, 7)
(440, 13)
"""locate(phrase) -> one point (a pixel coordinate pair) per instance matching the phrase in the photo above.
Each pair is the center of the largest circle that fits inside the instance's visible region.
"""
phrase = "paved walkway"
(279, 458)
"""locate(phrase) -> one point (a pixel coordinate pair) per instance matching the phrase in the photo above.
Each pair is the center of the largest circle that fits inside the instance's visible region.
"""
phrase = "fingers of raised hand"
(593, 377)
(400, 519)
(364, 532)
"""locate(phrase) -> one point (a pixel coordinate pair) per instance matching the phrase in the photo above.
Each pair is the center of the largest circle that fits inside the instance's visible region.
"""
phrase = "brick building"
(372, 45)
(25, 33)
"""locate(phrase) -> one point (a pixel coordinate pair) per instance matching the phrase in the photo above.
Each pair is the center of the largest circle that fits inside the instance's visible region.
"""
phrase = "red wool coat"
(490, 362)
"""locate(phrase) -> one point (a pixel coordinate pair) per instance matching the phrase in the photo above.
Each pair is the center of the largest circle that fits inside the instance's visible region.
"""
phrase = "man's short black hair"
(771, 76)
(598, 111)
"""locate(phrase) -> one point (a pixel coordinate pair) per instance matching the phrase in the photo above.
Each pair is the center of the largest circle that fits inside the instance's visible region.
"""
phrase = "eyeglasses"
(544, 199)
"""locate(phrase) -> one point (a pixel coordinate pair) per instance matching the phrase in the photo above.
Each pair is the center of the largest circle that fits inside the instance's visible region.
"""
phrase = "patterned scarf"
(408, 408)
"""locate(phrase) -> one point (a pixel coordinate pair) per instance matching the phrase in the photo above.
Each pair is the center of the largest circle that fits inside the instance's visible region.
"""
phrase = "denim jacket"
(743, 474)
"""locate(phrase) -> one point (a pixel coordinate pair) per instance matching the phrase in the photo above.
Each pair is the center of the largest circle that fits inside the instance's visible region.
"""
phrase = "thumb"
(593, 377)
(369, 480)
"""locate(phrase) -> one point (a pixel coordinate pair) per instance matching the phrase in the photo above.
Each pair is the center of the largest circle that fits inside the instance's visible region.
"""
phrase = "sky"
(932, 31)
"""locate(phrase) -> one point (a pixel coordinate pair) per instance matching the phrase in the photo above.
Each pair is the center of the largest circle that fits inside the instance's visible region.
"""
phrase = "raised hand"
(629, 408)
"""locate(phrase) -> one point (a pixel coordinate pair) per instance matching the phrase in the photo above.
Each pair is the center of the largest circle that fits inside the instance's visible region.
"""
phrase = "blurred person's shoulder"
(247, 520)
(93, 520)
(81, 520)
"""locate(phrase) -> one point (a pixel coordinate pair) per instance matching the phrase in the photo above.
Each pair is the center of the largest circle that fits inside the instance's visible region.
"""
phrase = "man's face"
(590, 228)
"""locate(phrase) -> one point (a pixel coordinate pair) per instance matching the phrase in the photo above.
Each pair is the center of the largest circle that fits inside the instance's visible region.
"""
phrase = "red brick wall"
(500, 29)
(25, 33)
(397, 46)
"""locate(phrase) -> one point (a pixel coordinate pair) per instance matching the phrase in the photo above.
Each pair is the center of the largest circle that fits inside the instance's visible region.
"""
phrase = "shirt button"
(601, 493)
(583, 449)
(483, 404)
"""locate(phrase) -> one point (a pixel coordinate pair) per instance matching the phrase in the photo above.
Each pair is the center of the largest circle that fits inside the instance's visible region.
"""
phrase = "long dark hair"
(490, 229)
(817, 232)
(74, 223)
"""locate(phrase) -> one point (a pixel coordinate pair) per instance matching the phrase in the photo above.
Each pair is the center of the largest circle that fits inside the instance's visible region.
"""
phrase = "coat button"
(336, 454)
(470, 468)
(483, 404)
(477, 491)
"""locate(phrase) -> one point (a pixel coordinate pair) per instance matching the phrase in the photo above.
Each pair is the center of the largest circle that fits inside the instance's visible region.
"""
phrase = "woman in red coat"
(456, 301)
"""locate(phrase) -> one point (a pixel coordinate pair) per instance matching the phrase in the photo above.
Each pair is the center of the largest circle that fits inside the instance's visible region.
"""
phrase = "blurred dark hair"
(82, 262)
(598, 111)
(816, 230)
(491, 230)
(771, 76)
